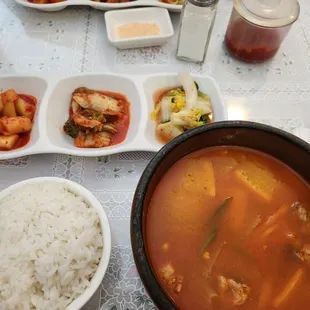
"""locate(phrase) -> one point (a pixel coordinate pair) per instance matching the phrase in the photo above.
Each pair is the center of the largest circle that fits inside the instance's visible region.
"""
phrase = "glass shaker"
(197, 20)
(257, 27)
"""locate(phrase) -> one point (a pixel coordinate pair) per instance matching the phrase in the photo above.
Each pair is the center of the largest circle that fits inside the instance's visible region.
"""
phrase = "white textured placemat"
(74, 40)
(303, 133)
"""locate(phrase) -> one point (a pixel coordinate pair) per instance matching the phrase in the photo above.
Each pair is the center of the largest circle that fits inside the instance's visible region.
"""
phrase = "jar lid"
(268, 13)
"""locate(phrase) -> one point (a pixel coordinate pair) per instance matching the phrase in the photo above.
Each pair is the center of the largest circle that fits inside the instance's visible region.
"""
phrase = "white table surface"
(74, 40)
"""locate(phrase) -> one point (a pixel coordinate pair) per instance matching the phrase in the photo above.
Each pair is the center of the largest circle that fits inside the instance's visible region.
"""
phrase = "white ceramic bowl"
(54, 100)
(89, 198)
(159, 16)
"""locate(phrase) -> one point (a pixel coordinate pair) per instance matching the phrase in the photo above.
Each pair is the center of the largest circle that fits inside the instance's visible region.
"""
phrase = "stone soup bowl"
(284, 146)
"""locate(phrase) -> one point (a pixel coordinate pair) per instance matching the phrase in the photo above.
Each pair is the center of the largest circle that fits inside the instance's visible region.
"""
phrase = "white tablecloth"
(74, 40)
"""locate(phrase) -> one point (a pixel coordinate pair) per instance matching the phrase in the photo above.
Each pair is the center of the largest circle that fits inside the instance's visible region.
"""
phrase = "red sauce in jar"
(252, 43)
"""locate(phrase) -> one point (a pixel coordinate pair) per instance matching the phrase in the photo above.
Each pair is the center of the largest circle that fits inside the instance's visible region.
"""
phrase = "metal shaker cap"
(204, 3)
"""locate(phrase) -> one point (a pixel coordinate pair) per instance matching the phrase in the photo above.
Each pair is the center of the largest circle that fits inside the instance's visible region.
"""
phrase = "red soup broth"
(228, 228)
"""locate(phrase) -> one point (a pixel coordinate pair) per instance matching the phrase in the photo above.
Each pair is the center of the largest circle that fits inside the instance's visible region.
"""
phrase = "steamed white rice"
(50, 246)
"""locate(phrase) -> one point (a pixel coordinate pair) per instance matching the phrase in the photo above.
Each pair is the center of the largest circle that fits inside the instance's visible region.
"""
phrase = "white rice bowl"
(55, 244)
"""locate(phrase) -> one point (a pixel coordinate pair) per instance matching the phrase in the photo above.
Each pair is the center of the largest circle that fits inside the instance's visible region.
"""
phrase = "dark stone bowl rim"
(136, 223)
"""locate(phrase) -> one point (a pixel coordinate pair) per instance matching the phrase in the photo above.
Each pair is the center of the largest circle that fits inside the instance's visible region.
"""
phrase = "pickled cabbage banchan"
(16, 119)
(97, 118)
(180, 108)
(229, 228)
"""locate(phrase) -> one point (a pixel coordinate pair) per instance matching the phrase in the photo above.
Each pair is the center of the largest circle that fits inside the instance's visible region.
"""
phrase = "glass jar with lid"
(257, 27)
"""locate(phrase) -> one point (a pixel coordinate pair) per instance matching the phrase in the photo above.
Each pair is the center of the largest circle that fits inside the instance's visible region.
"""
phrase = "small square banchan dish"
(138, 27)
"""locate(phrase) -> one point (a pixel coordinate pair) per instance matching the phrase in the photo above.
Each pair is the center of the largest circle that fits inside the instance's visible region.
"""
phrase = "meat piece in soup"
(229, 228)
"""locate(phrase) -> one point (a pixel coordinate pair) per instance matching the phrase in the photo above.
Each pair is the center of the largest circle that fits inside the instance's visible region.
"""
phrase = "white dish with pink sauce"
(138, 28)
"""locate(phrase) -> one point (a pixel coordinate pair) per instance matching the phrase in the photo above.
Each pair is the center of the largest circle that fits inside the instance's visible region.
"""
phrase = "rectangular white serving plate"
(54, 97)
(159, 16)
(54, 7)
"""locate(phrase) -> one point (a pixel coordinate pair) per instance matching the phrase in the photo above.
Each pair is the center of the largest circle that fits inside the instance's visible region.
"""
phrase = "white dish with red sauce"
(54, 95)
(35, 87)
(104, 6)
